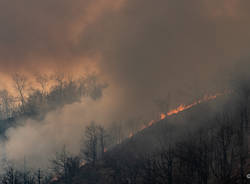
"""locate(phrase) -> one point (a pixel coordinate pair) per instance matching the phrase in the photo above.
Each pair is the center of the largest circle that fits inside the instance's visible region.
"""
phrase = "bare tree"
(116, 130)
(89, 150)
(59, 78)
(223, 155)
(20, 84)
(42, 80)
(10, 176)
(7, 102)
(93, 88)
(65, 165)
(103, 136)
(159, 167)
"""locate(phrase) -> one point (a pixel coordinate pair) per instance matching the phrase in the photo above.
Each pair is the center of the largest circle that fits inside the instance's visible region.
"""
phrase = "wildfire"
(163, 116)
(143, 127)
(179, 109)
(130, 135)
(183, 107)
(153, 121)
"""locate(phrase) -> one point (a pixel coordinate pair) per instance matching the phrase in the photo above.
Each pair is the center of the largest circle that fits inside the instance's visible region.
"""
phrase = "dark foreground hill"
(205, 144)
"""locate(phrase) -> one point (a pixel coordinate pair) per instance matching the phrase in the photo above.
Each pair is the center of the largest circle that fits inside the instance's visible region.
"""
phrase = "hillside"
(183, 148)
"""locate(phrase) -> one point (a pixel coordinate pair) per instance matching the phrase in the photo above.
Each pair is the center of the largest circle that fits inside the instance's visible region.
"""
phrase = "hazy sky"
(143, 48)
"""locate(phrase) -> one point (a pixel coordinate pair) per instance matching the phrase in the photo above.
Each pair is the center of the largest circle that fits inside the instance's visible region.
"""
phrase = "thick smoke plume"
(38, 141)
(145, 50)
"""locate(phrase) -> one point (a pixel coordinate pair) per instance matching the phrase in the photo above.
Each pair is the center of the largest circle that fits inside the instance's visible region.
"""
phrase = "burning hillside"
(118, 85)
(181, 108)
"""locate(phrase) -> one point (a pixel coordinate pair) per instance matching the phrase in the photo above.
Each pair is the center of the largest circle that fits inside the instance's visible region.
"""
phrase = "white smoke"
(38, 141)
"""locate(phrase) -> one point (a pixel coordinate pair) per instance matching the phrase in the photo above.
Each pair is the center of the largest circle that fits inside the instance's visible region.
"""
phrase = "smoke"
(38, 141)
(183, 48)
(143, 49)
(146, 49)
(38, 36)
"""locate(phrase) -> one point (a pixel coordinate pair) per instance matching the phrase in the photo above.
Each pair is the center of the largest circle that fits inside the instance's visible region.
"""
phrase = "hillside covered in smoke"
(124, 91)
(53, 92)
(206, 143)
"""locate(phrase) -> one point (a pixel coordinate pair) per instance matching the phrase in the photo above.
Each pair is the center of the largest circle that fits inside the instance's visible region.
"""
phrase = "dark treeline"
(52, 92)
(216, 151)
(20, 176)
(210, 149)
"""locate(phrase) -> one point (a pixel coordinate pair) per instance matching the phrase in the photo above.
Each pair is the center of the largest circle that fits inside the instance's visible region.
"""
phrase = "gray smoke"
(145, 50)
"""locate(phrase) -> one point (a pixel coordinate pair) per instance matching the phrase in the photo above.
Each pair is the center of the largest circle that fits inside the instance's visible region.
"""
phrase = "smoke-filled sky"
(144, 49)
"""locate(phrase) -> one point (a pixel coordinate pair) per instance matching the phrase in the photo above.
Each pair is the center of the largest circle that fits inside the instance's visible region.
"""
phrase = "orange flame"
(180, 108)
(163, 116)
(183, 107)
(151, 123)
